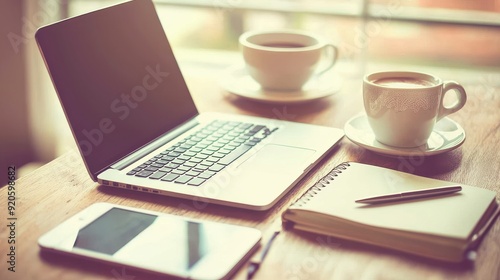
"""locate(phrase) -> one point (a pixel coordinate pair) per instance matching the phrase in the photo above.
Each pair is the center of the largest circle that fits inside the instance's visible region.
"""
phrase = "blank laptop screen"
(117, 80)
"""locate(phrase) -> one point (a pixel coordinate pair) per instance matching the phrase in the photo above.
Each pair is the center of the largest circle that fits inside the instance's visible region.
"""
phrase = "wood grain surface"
(61, 188)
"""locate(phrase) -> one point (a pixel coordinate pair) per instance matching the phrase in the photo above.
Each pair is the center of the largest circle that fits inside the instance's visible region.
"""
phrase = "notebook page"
(451, 215)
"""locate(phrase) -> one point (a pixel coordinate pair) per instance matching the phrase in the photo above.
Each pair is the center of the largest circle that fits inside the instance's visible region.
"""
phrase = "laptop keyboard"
(201, 155)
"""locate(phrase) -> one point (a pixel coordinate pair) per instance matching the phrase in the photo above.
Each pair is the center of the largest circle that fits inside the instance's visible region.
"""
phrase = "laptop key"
(201, 167)
(196, 181)
(236, 142)
(255, 140)
(189, 153)
(180, 150)
(212, 159)
(178, 172)
(144, 173)
(187, 145)
(245, 125)
(195, 150)
(170, 177)
(216, 167)
(189, 164)
(205, 152)
(183, 168)
(165, 169)
(167, 158)
(201, 145)
(193, 173)
(232, 156)
(195, 160)
(178, 161)
(183, 179)
(256, 128)
(219, 155)
(183, 157)
(207, 163)
(243, 137)
(174, 154)
(213, 148)
(212, 138)
(206, 174)
(157, 175)
(196, 139)
(172, 165)
(222, 142)
(202, 156)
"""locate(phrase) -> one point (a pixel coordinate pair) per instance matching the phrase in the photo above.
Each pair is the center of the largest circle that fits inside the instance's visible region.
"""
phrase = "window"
(451, 32)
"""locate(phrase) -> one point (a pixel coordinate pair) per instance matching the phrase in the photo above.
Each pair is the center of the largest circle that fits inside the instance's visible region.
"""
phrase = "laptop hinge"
(162, 140)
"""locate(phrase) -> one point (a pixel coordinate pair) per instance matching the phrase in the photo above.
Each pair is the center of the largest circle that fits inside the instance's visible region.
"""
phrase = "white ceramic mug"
(402, 107)
(284, 60)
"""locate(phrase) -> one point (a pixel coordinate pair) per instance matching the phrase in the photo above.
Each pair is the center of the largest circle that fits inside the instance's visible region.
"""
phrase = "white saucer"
(447, 135)
(238, 82)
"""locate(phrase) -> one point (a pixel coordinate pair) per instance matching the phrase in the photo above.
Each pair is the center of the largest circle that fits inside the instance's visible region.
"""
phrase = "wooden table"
(61, 188)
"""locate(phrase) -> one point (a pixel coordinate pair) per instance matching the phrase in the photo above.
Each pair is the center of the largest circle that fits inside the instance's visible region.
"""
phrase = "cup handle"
(333, 60)
(461, 99)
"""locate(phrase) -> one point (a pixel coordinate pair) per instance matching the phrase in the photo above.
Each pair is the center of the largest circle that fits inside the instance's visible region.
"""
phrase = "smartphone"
(152, 241)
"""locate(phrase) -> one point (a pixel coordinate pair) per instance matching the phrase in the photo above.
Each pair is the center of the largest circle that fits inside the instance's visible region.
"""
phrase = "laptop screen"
(117, 80)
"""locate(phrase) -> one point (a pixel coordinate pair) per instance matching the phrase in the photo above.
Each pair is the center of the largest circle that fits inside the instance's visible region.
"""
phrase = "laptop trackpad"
(265, 175)
(277, 158)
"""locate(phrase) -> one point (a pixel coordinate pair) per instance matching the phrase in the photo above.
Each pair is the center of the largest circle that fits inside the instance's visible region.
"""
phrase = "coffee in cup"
(284, 60)
(403, 107)
(403, 82)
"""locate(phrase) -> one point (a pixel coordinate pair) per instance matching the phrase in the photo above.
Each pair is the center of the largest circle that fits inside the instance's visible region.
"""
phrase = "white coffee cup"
(284, 59)
(402, 107)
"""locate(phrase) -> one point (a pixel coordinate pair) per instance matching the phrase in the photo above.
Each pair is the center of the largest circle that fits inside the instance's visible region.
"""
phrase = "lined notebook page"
(451, 215)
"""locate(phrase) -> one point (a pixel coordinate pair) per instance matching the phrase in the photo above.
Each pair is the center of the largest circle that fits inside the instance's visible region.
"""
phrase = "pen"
(255, 265)
(410, 195)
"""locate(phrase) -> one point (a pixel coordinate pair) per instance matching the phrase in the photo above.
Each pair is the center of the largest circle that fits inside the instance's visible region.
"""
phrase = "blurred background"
(452, 34)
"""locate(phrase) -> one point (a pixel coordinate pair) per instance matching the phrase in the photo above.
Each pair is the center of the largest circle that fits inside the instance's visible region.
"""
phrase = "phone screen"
(150, 240)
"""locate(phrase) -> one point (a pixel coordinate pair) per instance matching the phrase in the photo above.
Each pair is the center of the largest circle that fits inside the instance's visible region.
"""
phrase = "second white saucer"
(447, 135)
(238, 82)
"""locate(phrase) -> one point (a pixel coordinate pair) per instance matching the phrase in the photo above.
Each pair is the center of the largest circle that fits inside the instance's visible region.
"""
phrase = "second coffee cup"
(284, 60)
(402, 107)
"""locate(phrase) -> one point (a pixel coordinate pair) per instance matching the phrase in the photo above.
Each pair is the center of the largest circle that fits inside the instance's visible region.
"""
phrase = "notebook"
(138, 128)
(443, 227)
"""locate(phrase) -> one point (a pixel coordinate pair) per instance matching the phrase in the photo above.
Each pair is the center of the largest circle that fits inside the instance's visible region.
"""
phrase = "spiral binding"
(322, 183)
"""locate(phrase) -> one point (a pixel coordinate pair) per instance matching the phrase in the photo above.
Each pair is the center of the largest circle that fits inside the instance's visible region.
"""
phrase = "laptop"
(137, 127)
